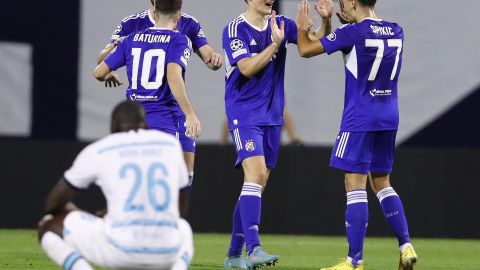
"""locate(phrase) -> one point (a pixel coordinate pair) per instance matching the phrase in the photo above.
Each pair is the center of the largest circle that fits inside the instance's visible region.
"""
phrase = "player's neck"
(254, 18)
(365, 13)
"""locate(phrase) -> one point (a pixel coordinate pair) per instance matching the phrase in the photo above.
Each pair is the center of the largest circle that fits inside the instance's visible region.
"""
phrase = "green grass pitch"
(19, 249)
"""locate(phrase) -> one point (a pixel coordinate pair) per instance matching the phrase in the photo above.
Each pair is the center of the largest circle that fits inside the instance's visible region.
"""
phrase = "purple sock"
(393, 210)
(250, 208)
(356, 221)
(238, 240)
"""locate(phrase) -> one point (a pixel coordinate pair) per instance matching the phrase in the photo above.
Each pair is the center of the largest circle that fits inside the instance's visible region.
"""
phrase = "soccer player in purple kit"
(188, 26)
(365, 146)
(255, 54)
(156, 60)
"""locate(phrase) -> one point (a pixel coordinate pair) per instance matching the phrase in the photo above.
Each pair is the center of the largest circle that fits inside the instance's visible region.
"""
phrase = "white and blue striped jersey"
(140, 174)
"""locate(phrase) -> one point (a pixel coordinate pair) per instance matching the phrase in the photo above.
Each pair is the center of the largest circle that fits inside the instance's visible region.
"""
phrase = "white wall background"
(441, 65)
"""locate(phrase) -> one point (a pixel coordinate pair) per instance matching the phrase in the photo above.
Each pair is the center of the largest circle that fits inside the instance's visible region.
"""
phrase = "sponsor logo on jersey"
(250, 146)
(236, 44)
(137, 97)
(377, 92)
(332, 36)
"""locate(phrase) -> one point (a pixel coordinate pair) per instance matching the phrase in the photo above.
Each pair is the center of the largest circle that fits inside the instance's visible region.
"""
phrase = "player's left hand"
(193, 127)
(324, 8)
(112, 79)
(304, 21)
(214, 61)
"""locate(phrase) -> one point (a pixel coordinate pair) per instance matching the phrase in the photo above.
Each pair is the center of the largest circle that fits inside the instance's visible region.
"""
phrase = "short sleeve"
(342, 39)
(116, 58)
(84, 169)
(180, 51)
(235, 43)
(290, 30)
(120, 31)
(196, 35)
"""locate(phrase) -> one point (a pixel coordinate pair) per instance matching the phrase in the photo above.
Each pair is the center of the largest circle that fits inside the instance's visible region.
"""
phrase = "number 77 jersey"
(372, 51)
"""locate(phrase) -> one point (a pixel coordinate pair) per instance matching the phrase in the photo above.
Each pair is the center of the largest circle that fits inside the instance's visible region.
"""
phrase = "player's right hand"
(112, 79)
(324, 8)
(304, 21)
(278, 34)
(193, 128)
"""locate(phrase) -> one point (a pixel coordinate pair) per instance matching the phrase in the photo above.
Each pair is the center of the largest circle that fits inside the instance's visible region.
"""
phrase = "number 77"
(379, 43)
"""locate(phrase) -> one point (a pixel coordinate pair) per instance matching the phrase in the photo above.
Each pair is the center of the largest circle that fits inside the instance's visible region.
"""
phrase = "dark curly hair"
(168, 6)
(369, 3)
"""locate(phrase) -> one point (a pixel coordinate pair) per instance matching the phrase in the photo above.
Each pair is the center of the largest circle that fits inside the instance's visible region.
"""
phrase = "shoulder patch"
(236, 44)
(332, 36)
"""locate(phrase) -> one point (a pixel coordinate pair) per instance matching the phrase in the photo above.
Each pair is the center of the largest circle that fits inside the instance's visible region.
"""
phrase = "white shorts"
(84, 232)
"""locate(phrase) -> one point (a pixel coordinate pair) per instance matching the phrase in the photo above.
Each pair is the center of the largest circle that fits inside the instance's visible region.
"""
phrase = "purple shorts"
(163, 121)
(363, 152)
(188, 145)
(253, 141)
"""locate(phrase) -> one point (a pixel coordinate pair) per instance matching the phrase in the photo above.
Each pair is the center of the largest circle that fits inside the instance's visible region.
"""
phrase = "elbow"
(98, 75)
(246, 73)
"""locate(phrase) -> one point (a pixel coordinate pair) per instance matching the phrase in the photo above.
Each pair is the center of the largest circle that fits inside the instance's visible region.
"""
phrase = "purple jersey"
(257, 101)
(146, 55)
(187, 25)
(373, 57)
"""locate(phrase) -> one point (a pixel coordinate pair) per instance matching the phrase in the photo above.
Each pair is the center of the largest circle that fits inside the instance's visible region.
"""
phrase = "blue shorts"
(253, 141)
(163, 121)
(188, 145)
(364, 152)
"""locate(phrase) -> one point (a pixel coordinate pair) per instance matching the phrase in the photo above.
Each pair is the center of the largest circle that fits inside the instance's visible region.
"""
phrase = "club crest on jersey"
(118, 29)
(236, 44)
(332, 36)
(186, 54)
(250, 145)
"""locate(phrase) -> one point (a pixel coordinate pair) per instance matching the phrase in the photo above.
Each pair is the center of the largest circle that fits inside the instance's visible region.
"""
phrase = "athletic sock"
(393, 210)
(356, 221)
(238, 240)
(250, 209)
(63, 254)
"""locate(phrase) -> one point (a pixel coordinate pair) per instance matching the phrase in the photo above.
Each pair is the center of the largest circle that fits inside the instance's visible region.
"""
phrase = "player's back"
(373, 57)
(140, 173)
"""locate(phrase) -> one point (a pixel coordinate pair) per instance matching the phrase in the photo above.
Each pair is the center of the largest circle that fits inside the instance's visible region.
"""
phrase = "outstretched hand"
(278, 34)
(304, 21)
(342, 15)
(324, 8)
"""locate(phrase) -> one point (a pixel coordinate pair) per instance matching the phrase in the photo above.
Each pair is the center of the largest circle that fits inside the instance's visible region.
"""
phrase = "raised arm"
(252, 65)
(177, 86)
(308, 43)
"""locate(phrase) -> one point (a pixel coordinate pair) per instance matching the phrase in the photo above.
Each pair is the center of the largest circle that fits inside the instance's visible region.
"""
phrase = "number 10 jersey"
(146, 55)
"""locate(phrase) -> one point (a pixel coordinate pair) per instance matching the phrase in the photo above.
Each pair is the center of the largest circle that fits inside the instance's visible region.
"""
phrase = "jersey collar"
(253, 26)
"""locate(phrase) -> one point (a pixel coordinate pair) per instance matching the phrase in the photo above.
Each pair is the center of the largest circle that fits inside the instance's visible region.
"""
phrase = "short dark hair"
(369, 3)
(127, 115)
(168, 6)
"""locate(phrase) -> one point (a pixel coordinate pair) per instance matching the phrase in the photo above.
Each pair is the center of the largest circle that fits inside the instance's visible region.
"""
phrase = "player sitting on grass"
(144, 179)
(372, 50)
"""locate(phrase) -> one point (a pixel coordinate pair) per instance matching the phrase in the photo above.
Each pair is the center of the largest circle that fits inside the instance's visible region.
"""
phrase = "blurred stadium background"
(51, 106)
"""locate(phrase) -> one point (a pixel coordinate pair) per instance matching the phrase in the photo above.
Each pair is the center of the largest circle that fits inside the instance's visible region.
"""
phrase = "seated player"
(144, 179)
(365, 146)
